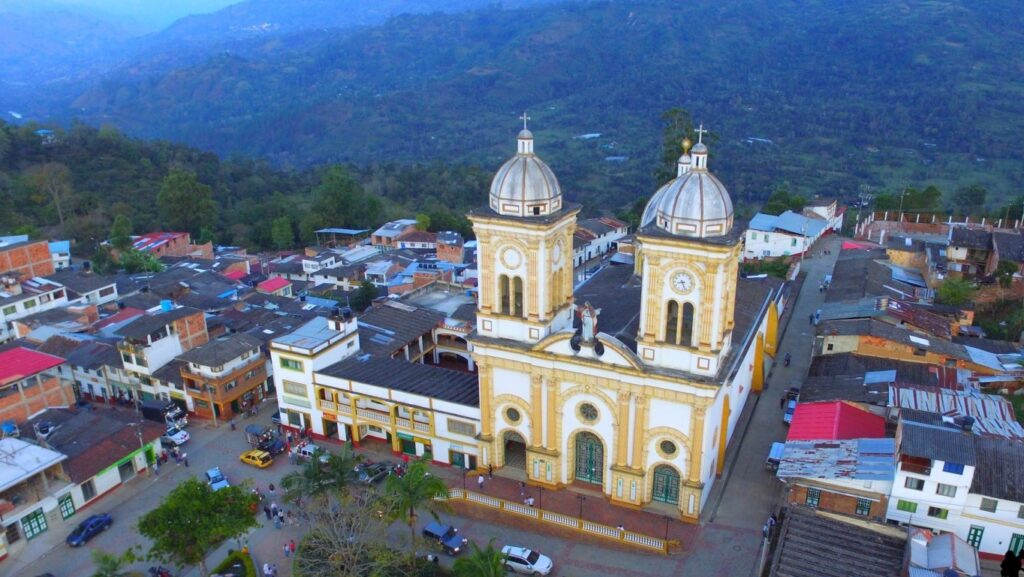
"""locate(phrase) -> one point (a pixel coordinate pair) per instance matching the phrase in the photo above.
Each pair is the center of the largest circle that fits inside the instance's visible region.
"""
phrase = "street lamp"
(902, 194)
(668, 520)
(540, 497)
(581, 499)
(465, 473)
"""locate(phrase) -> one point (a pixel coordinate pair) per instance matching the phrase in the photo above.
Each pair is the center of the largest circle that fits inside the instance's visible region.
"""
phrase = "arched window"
(517, 303)
(688, 325)
(504, 295)
(672, 323)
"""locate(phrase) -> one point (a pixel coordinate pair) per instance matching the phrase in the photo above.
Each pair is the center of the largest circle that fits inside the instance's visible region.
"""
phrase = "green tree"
(101, 261)
(969, 199)
(782, 200)
(110, 565)
(53, 179)
(417, 489)
(281, 233)
(487, 562)
(121, 233)
(1004, 273)
(185, 203)
(318, 480)
(677, 125)
(346, 541)
(193, 520)
(363, 296)
(135, 261)
(955, 292)
(205, 235)
(422, 221)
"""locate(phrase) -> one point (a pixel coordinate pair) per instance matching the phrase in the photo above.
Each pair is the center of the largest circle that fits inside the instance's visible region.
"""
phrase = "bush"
(233, 558)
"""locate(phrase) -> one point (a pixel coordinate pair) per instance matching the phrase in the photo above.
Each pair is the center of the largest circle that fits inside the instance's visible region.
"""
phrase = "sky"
(153, 14)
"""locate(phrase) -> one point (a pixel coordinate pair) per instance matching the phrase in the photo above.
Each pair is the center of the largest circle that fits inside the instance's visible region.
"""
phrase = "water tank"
(166, 305)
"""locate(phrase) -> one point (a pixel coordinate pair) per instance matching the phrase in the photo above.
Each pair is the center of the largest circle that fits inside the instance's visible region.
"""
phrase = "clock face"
(556, 253)
(682, 282)
(511, 258)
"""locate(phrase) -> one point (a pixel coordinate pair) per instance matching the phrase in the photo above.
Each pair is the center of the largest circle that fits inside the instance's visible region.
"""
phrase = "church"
(633, 383)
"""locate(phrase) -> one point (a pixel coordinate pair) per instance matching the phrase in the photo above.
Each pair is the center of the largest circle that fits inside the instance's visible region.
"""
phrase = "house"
(788, 234)
(30, 297)
(66, 319)
(932, 555)
(85, 286)
(833, 421)
(1007, 246)
(450, 247)
(821, 544)
(344, 277)
(400, 331)
(179, 244)
(29, 258)
(417, 240)
(60, 252)
(312, 263)
(276, 286)
(604, 233)
(29, 383)
(228, 373)
(849, 476)
(94, 367)
(385, 237)
(827, 210)
(34, 492)
(968, 251)
(329, 387)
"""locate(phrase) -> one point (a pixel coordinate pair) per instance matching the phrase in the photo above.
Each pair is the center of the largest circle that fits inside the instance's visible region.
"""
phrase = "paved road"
(750, 493)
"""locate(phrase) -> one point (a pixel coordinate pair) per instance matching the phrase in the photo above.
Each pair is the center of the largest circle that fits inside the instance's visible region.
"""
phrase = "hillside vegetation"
(827, 97)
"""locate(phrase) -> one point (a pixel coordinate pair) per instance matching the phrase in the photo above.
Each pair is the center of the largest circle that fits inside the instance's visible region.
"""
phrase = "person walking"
(271, 489)
(156, 467)
(522, 488)
(1010, 566)
(490, 471)
(287, 551)
(184, 458)
(273, 509)
(291, 546)
(266, 511)
(480, 482)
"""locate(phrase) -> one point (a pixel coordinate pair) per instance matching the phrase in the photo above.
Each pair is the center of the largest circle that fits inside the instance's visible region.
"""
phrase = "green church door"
(589, 458)
(666, 485)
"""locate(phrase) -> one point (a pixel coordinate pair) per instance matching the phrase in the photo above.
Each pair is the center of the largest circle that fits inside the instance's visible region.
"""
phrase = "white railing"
(404, 423)
(329, 405)
(373, 416)
(421, 427)
(588, 527)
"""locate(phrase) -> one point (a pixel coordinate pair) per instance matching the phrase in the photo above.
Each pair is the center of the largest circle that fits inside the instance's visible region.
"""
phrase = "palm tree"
(416, 489)
(320, 478)
(110, 565)
(489, 562)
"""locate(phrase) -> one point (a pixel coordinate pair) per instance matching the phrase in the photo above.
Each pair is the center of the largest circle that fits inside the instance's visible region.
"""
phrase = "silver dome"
(525, 185)
(694, 204)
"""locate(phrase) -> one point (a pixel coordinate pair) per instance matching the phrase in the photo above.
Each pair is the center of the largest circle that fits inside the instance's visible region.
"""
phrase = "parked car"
(523, 560)
(216, 479)
(257, 458)
(174, 437)
(307, 450)
(88, 529)
(276, 419)
(446, 536)
(373, 473)
(790, 409)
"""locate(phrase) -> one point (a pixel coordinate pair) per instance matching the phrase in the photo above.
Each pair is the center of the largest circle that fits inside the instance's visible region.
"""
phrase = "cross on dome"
(524, 118)
(700, 133)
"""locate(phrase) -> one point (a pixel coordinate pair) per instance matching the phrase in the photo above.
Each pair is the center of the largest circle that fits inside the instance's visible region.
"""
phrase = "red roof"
(19, 362)
(121, 315)
(274, 284)
(235, 274)
(834, 421)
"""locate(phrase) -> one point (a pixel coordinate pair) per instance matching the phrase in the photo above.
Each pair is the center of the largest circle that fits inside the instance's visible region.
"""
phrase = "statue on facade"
(588, 320)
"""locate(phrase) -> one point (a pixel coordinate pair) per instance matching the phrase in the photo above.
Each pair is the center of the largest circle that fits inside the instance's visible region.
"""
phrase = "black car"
(88, 529)
(373, 473)
(272, 445)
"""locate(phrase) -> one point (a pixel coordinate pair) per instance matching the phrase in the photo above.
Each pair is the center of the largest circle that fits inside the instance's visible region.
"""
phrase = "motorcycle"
(787, 359)
(159, 572)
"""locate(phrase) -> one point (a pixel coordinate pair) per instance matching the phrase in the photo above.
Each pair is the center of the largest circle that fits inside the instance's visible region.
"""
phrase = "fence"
(565, 521)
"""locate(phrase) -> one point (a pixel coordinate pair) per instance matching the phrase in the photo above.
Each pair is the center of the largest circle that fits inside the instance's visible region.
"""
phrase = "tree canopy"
(415, 490)
(185, 203)
(193, 520)
(955, 292)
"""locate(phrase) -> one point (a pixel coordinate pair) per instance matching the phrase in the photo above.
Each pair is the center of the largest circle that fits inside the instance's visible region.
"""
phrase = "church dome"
(525, 185)
(694, 204)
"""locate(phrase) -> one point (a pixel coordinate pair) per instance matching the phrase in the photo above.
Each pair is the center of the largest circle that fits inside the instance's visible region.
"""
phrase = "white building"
(33, 491)
(86, 287)
(788, 234)
(33, 296)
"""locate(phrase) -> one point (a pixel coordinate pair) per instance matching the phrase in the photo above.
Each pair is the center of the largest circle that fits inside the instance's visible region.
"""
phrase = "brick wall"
(191, 331)
(51, 392)
(450, 252)
(839, 503)
(31, 259)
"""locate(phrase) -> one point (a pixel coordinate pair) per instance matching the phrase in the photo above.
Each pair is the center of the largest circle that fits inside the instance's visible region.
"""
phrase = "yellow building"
(634, 384)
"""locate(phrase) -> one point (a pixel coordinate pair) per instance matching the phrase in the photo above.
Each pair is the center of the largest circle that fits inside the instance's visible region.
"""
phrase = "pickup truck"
(446, 536)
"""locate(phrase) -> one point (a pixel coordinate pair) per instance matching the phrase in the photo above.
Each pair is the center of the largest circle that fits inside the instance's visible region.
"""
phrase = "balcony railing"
(327, 405)
(404, 423)
(374, 416)
(421, 427)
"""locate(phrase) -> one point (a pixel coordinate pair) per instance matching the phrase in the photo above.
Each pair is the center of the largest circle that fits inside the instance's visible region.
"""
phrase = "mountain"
(824, 97)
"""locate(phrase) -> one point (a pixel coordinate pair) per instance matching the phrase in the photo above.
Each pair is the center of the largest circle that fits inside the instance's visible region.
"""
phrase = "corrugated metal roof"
(937, 442)
(860, 459)
(834, 420)
(993, 415)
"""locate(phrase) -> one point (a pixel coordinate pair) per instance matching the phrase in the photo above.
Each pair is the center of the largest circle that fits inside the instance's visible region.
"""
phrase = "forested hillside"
(828, 97)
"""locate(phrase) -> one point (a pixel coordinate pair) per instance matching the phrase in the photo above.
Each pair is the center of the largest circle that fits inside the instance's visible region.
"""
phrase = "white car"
(523, 560)
(174, 437)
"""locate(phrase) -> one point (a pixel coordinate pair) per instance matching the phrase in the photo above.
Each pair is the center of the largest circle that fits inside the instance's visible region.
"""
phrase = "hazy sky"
(153, 13)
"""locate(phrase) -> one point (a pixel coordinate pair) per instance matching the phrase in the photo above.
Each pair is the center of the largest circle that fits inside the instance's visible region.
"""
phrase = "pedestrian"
(811, 318)
(271, 489)
(490, 471)
(287, 551)
(1010, 566)
(289, 437)
(480, 482)
(522, 488)
(232, 423)
(273, 570)
(273, 509)
(529, 501)
(782, 403)
(621, 527)
(184, 458)
(266, 511)
(280, 519)
(288, 514)
(266, 570)
(156, 467)
(277, 522)
(291, 545)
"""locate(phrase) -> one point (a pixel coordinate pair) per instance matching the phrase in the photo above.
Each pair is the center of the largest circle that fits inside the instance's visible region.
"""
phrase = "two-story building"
(228, 374)
(29, 383)
(33, 490)
(30, 297)
(787, 234)
(85, 286)
(276, 286)
(385, 238)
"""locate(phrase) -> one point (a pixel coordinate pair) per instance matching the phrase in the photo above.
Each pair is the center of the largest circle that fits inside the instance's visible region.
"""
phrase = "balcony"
(327, 405)
(374, 416)
(421, 427)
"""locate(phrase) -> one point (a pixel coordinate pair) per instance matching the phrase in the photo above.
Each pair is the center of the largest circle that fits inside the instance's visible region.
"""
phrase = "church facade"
(632, 383)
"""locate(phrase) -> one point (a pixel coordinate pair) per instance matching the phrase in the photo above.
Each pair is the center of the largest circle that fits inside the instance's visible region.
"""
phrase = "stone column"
(552, 414)
(622, 439)
(639, 429)
(486, 418)
(693, 464)
(536, 413)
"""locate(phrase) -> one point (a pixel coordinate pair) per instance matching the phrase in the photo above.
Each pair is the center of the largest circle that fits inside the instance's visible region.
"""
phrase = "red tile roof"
(235, 274)
(274, 284)
(19, 362)
(834, 421)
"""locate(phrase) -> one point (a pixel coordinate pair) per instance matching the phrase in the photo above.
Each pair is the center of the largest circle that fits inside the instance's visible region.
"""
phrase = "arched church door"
(666, 485)
(589, 458)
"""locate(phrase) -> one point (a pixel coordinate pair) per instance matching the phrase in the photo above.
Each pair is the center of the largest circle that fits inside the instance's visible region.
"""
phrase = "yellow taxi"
(257, 458)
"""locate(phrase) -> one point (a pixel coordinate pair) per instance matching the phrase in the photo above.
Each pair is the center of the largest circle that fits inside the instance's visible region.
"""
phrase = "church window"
(512, 415)
(672, 323)
(588, 412)
(504, 294)
(517, 304)
(536, 210)
(688, 325)
(668, 448)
